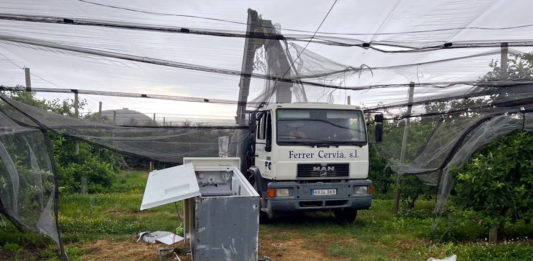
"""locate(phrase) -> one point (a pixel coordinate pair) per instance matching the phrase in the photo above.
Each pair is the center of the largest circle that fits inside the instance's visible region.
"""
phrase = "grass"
(377, 234)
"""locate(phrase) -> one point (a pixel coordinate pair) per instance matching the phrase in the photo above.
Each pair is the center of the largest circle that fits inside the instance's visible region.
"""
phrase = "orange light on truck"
(271, 192)
(371, 190)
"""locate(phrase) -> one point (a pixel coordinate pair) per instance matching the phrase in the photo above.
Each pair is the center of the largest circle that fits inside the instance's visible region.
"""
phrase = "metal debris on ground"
(164, 237)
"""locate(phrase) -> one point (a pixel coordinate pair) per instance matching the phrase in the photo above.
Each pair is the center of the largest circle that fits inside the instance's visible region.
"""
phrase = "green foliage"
(520, 67)
(99, 168)
(497, 182)
(381, 175)
(12, 247)
(498, 253)
(412, 188)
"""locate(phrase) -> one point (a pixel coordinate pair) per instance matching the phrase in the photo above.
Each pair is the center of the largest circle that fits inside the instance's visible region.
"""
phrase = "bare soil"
(276, 250)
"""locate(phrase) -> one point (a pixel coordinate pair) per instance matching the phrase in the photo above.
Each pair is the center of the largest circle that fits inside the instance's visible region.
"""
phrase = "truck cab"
(310, 156)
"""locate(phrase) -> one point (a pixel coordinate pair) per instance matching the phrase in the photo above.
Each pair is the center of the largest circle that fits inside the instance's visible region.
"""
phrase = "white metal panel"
(212, 162)
(170, 185)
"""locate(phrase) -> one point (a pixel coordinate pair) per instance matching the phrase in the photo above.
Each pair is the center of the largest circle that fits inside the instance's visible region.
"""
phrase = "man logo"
(324, 170)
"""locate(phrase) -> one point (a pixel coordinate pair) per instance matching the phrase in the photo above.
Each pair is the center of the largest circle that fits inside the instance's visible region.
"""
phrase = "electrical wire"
(31, 73)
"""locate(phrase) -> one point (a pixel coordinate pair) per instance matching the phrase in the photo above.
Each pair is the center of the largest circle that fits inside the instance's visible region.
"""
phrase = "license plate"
(324, 192)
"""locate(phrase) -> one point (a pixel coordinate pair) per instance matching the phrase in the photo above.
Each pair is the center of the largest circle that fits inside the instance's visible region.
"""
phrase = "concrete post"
(504, 61)
(99, 109)
(28, 79)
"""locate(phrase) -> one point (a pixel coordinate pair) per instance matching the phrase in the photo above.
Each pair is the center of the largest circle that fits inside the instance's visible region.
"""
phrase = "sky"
(407, 22)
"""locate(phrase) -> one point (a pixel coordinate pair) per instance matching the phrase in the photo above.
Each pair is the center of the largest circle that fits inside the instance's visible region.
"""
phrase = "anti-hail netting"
(171, 78)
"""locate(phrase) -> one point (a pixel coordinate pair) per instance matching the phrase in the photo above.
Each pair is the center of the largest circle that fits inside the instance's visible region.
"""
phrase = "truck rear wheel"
(345, 215)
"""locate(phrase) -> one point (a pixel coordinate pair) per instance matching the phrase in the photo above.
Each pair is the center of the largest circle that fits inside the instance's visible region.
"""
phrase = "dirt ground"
(275, 250)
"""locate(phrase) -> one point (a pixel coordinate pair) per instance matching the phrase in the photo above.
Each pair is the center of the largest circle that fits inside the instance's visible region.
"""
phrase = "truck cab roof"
(311, 105)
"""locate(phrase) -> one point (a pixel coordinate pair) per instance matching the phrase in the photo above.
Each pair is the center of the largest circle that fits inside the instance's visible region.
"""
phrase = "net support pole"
(404, 146)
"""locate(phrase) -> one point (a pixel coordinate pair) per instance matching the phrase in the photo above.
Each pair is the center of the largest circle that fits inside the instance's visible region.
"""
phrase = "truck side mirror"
(378, 119)
(379, 132)
(268, 145)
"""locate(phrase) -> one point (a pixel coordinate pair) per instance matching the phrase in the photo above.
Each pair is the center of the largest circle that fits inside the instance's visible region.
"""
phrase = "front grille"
(323, 170)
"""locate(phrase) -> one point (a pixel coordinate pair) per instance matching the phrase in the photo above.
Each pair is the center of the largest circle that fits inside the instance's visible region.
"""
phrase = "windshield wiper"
(318, 144)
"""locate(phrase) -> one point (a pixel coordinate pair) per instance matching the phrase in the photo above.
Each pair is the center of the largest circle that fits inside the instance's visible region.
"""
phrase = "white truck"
(310, 156)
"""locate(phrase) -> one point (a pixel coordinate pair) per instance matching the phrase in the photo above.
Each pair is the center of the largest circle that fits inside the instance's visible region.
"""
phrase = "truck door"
(263, 147)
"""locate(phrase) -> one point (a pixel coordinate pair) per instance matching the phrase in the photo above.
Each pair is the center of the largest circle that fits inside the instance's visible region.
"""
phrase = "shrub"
(381, 175)
(497, 182)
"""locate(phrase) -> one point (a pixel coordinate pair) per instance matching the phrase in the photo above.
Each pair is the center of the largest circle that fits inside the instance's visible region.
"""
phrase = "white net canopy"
(166, 80)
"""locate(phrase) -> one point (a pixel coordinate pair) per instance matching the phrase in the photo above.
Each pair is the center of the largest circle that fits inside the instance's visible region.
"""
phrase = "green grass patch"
(377, 234)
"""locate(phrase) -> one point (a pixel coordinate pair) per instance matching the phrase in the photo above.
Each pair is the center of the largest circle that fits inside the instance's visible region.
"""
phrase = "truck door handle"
(256, 155)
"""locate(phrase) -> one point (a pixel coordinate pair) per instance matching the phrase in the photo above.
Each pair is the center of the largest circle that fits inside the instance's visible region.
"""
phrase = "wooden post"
(164, 121)
(28, 79)
(115, 117)
(349, 100)
(404, 146)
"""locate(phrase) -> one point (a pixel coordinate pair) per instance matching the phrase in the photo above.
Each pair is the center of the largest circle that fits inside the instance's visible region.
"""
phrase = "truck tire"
(345, 215)
(270, 215)
(264, 217)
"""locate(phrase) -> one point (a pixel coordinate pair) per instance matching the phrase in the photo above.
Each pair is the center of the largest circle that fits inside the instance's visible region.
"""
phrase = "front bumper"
(301, 197)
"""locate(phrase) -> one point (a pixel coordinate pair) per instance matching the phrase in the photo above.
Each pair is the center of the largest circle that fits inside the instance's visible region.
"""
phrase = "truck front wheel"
(345, 215)
(267, 216)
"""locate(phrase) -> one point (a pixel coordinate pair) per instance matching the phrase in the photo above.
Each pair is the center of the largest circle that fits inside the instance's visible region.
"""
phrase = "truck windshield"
(320, 126)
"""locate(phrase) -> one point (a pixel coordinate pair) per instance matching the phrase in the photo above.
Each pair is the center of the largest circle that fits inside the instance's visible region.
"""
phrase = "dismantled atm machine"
(221, 207)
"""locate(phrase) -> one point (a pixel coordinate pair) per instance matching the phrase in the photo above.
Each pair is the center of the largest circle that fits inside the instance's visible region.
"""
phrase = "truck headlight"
(282, 192)
(360, 190)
